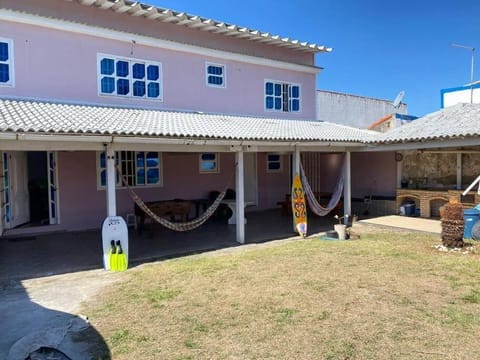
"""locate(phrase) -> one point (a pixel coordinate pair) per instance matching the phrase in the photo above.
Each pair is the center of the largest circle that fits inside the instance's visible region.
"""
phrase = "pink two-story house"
(183, 105)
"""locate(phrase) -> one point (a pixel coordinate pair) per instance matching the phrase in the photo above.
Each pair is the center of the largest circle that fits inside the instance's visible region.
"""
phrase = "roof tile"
(36, 116)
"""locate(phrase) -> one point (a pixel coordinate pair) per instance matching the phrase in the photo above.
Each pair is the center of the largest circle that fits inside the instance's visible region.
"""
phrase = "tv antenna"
(398, 99)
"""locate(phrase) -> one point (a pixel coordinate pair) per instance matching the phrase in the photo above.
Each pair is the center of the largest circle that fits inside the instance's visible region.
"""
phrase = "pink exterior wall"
(330, 167)
(62, 66)
(72, 11)
(83, 204)
(273, 185)
(373, 173)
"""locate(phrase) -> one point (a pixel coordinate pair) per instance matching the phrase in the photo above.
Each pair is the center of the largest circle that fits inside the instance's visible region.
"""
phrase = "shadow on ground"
(31, 331)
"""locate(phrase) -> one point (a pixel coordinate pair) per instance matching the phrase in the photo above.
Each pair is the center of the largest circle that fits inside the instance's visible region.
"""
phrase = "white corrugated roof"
(136, 8)
(45, 117)
(458, 121)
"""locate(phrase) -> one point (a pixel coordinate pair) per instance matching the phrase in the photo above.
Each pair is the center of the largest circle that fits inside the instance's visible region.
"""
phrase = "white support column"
(347, 190)
(240, 200)
(111, 180)
(295, 171)
(459, 171)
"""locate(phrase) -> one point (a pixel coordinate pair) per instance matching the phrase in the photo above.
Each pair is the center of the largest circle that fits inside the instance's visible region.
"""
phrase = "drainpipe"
(111, 180)
(347, 190)
(240, 199)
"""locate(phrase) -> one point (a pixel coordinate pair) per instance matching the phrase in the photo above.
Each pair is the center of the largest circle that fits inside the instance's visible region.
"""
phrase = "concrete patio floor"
(407, 223)
(30, 256)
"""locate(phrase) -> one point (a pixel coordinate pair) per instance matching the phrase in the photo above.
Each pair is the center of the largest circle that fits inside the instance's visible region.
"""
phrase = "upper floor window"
(274, 162)
(215, 75)
(282, 96)
(139, 168)
(6, 62)
(209, 163)
(129, 77)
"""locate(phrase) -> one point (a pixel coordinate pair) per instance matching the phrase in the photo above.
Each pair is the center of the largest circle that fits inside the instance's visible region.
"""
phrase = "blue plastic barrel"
(470, 216)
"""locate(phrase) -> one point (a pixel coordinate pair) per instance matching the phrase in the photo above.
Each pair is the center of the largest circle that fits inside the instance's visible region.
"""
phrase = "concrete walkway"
(42, 312)
(406, 223)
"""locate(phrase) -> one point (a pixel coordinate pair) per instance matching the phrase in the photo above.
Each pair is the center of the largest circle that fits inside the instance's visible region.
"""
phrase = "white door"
(52, 187)
(18, 182)
(250, 177)
(5, 209)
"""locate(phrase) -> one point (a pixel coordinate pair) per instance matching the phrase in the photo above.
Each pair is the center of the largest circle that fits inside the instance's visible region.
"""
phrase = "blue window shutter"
(208, 156)
(273, 157)
(103, 178)
(274, 165)
(123, 87)
(268, 88)
(141, 176)
(139, 88)
(215, 70)
(153, 90)
(215, 80)
(140, 159)
(107, 66)
(4, 56)
(122, 68)
(153, 176)
(108, 85)
(278, 104)
(4, 73)
(295, 91)
(153, 73)
(295, 105)
(138, 71)
(152, 159)
(278, 89)
(269, 102)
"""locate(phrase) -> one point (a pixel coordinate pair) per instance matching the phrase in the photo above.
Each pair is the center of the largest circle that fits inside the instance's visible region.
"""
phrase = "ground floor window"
(209, 163)
(274, 163)
(139, 168)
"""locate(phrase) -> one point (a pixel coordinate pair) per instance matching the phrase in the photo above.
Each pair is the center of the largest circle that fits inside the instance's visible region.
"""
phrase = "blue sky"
(380, 46)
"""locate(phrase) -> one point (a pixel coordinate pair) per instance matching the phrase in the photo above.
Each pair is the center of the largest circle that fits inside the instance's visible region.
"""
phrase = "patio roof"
(36, 117)
(456, 122)
(149, 12)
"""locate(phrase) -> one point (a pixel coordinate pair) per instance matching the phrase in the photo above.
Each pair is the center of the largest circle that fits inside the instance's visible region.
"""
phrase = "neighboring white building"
(353, 110)
(460, 94)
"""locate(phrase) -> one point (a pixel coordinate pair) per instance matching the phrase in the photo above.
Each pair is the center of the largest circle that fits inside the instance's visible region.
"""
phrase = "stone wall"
(430, 169)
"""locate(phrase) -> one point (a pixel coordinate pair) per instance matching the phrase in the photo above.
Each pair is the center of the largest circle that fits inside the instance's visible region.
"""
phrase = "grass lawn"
(388, 295)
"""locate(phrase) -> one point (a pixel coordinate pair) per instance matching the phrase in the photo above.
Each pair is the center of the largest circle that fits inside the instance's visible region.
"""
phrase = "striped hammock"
(313, 203)
(176, 226)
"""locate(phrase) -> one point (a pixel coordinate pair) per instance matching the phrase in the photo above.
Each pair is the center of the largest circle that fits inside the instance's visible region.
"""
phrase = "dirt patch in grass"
(389, 295)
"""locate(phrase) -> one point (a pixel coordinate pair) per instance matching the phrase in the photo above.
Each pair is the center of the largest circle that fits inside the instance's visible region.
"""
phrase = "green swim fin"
(112, 259)
(121, 258)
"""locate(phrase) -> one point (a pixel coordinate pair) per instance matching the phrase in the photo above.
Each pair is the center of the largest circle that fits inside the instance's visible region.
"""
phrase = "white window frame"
(118, 182)
(10, 62)
(290, 98)
(130, 78)
(223, 76)
(268, 162)
(217, 163)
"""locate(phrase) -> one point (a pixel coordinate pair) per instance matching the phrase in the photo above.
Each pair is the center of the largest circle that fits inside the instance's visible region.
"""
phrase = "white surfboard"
(114, 228)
